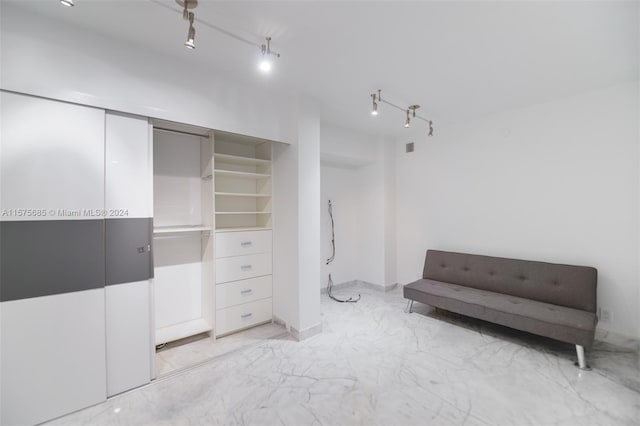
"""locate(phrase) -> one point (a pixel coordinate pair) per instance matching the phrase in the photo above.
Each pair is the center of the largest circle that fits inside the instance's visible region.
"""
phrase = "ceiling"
(458, 60)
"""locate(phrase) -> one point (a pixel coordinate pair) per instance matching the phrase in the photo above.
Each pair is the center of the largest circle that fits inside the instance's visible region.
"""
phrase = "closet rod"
(180, 132)
(179, 237)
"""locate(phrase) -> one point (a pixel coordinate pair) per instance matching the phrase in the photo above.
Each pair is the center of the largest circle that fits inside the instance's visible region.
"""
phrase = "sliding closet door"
(129, 206)
(51, 258)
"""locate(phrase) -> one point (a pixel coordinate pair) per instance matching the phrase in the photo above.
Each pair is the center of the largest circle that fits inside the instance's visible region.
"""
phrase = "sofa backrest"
(564, 285)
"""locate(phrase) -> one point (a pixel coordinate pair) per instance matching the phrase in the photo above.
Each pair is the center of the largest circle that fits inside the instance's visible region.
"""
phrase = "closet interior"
(212, 243)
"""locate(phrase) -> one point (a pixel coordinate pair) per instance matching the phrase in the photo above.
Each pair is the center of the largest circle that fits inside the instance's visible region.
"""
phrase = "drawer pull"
(246, 243)
(245, 316)
(246, 267)
(246, 291)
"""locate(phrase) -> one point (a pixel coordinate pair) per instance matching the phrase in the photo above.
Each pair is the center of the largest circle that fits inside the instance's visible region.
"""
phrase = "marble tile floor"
(177, 356)
(375, 364)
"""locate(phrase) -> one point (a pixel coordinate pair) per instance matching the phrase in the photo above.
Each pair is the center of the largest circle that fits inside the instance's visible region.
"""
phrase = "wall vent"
(409, 147)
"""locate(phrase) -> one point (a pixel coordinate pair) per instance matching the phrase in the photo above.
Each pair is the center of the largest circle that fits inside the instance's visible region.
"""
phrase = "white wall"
(309, 216)
(356, 176)
(555, 182)
(340, 184)
(52, 59)
(296, 244)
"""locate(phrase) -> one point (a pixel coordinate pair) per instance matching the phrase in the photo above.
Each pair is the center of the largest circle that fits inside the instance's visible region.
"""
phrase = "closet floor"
(195, 350)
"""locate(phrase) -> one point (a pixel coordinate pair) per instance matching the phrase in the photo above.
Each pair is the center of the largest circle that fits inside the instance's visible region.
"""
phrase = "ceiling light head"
(265, 65)
(265, 60)
(374, 109)
(407, 123)
(430, 128)
(191, 35)
(68, 3)
(413, 109)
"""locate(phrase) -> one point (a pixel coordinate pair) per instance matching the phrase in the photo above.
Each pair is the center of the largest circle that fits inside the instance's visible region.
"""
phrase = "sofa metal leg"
(409, 307)
(582, 361)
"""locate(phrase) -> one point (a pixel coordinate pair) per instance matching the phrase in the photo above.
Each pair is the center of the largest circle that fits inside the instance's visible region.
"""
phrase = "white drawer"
(238, 292)
(241, 243)
(242, 267)
(243, 316)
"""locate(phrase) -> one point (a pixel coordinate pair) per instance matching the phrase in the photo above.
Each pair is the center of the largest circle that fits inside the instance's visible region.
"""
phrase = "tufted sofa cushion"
(563, 285)
(566, 324)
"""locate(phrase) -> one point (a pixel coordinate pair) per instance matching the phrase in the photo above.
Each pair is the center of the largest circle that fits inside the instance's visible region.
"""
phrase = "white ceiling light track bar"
(410, 111)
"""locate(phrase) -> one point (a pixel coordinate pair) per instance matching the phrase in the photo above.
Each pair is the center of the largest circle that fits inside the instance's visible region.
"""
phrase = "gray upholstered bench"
(551, 300)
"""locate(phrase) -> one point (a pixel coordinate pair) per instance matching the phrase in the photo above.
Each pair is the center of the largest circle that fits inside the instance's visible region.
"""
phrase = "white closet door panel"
(56, 151)
(241, 243)
(243, 316)
(238, 292)
(128, 161)
(242, 267)
(129, 341)
(53, 356)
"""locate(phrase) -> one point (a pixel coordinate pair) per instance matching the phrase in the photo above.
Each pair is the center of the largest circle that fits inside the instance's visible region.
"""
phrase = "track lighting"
(265, 61)
(374, 110)
(410, 111)
(191, 36)
(67, 3)
(189, 16)
(185, 5)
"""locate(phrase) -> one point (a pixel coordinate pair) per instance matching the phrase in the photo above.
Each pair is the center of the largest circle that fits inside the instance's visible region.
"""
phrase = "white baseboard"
(617, 339)
(280, 321)
(295, 333)
(306, 333)
(373, 286)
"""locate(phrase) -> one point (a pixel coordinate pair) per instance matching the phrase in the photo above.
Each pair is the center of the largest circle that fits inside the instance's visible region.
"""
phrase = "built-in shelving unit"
(242, 176)
(243, 206)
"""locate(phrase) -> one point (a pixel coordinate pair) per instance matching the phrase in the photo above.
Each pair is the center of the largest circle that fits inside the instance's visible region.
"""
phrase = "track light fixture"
(191, 35)
(265, 48)
(374, 109)
(189, 16)
(67, 3)
(410, 111)
(265, 61)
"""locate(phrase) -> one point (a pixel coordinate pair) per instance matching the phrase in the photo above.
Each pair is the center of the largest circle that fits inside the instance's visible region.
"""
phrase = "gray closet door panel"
(42, 258)
(128, 250)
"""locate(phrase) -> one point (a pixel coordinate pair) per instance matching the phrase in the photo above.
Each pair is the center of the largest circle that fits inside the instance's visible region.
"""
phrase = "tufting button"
(522, 278)
(492, 273)
(442, 265)
(555, 282)
(466, 268)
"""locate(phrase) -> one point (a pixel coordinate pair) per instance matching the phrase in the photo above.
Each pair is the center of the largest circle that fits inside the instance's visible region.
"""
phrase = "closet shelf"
(241, 194)
(253, 212)
(164, 230)
(239, 229)
(241, 175)
(239, 160)
(182, 330)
